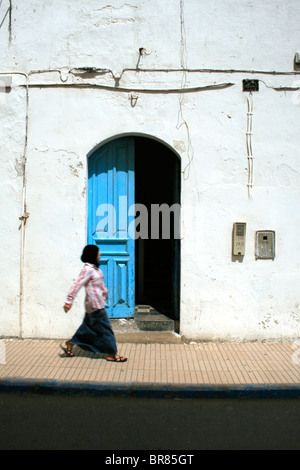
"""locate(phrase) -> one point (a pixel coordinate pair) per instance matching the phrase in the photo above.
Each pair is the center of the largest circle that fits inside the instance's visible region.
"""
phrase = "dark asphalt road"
(35, 421)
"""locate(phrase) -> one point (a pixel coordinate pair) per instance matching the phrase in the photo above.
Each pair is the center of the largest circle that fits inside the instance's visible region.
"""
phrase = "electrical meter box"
(239, 239)
(265, 244)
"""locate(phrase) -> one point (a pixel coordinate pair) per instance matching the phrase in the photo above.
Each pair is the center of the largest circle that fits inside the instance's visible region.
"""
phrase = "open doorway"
(157, 261)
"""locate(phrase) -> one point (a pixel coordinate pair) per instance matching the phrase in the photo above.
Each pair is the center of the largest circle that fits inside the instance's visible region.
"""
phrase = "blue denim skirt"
(95, 333)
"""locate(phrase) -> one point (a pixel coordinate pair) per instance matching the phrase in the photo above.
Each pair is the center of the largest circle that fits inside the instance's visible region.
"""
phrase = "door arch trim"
(133, 134)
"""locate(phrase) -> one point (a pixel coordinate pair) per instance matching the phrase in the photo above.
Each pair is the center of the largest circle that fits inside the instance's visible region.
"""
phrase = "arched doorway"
(139, 266)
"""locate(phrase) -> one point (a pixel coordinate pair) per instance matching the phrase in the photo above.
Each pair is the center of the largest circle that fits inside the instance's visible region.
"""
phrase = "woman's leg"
(115, 358)
(69, 345)
(68, 348)
(108, 332)
(96, 332)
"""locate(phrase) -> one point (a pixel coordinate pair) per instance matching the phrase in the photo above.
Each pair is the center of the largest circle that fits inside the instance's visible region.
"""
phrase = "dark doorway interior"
(157, 262)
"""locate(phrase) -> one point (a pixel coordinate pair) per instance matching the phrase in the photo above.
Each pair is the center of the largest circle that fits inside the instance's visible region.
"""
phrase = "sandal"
(117, 359)
(67, 350)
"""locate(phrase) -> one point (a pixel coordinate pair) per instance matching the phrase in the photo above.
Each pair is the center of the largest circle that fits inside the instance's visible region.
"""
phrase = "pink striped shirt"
(96, 292)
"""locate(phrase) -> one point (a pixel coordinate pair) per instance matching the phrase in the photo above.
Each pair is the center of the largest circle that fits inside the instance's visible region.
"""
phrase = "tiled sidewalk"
(195, 363)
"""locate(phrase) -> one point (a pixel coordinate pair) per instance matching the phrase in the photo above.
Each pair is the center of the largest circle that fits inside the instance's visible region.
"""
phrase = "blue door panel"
(110, 194)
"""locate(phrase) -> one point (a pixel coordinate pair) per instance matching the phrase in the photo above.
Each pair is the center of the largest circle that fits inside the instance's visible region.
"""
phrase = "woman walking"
(95, 332)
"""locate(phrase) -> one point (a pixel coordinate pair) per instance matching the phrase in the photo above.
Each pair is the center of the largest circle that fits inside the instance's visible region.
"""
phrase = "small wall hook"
(133, 99)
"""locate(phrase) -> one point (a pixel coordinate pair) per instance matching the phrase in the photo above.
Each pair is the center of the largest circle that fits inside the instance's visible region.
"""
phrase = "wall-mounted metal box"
(238, 239)
(265, 244)
(5, 83)
(250, 85)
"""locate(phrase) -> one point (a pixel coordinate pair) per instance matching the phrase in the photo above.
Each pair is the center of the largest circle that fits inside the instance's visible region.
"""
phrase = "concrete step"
(157, 322)
(148, 318)
(147, 337)
(147, 326)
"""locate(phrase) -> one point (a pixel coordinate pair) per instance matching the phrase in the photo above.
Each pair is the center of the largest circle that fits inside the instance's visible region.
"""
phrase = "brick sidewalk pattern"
(193, 363)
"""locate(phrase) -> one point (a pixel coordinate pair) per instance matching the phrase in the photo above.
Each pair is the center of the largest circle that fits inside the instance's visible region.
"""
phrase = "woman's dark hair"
(89, 255)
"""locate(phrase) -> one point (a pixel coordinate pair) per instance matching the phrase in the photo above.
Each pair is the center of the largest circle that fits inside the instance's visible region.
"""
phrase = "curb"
(149, 390)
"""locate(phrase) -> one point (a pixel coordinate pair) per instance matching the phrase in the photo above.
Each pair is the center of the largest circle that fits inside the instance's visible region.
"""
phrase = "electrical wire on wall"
(23, 218)
(25, 214)
(181, 121)
(2, 19)
(249, 134)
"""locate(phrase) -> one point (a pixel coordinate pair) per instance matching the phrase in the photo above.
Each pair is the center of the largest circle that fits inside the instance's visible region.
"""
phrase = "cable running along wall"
(249, 134)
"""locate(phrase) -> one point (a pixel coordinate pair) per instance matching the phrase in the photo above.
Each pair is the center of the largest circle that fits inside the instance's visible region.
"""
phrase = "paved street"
(36, 421)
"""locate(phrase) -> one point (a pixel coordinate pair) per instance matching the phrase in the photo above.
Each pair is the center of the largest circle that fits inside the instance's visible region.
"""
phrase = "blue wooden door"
(110, 195)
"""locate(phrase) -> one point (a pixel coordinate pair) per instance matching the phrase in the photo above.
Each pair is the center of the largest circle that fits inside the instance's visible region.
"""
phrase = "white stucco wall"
(220, 299)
